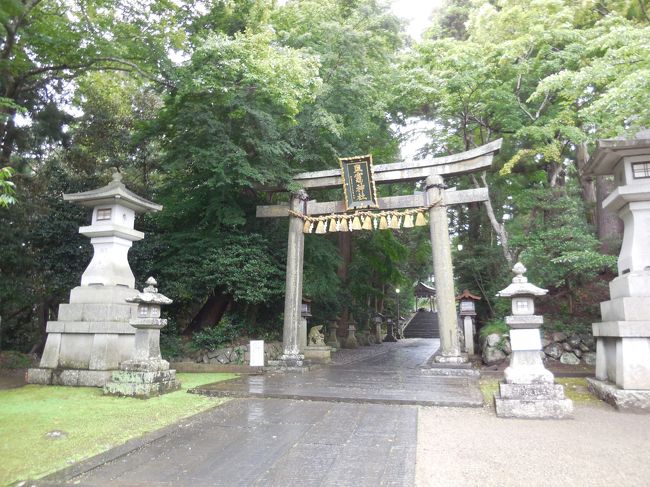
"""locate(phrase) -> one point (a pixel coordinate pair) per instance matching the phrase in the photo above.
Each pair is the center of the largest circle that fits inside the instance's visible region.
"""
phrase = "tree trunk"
(609, 225)
(345, 249)
(586, 183)
(210, 313)
(499, 228)
(43, 317)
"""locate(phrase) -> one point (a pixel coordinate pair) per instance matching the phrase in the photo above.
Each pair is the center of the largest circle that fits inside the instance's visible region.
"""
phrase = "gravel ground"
(472, 447)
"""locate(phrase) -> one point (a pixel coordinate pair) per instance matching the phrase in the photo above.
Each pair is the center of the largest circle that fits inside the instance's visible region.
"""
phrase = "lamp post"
(399, 331)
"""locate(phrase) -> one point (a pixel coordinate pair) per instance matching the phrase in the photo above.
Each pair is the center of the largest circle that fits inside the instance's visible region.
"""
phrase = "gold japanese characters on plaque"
(358, 183)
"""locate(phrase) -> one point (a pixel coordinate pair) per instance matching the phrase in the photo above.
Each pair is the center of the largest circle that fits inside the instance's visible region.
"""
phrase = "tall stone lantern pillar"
(623, 336)
(92, 335)
(529, 390)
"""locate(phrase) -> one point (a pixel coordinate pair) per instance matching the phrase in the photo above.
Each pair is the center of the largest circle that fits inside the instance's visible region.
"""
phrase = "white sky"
(416, 12)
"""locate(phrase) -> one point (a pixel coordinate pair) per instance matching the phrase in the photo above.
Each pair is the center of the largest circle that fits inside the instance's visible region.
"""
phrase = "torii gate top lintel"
(455, 164)
(469, 161)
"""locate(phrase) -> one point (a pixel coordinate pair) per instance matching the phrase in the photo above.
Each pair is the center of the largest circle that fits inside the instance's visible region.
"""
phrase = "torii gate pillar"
(293, 298)
(443, 271)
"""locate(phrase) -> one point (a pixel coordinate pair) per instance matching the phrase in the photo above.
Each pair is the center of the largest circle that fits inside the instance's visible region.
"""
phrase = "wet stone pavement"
(359, 429)
(393, 377)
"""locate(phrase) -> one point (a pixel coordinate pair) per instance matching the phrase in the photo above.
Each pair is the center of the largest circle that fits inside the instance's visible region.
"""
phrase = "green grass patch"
(91, 423)
(575, 388)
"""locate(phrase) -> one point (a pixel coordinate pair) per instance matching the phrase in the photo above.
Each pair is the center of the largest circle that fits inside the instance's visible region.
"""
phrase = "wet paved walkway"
(281, 442)
(393, 377)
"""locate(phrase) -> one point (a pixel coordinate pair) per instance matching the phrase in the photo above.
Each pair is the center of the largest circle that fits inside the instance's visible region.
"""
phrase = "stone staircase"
(424, 324)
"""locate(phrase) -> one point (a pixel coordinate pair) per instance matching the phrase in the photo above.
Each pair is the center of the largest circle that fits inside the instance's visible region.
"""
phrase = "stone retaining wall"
(236, 355)
(568, 349)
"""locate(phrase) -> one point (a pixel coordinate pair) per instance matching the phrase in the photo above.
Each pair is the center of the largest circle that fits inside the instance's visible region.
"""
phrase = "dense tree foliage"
(201, 104)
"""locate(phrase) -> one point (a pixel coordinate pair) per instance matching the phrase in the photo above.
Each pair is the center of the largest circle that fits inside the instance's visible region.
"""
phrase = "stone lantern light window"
(641, 170)
(143, 311)
(104, 214)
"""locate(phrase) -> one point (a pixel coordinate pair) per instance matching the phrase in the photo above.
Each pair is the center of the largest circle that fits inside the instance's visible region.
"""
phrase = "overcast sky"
(416, 12)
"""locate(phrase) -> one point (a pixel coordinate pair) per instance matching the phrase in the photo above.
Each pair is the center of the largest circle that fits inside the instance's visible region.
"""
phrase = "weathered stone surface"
(492, 355)
(589, 358)
(545, 342)
(554, 350)
(507, 347)
(578, 353)
(589, 341)
(630, 400)
(569, 358)
(538, 391)
(318, 354)
(567, 347)
(574, 341)
(493, 339)
(534, 409)
(558, 336)
(584, 348)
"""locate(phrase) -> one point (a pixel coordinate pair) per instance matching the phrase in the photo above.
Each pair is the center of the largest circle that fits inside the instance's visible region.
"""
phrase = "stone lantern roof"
(150, 295)
(609, 153)
(520, 285)
(114, 192)
(467, 295)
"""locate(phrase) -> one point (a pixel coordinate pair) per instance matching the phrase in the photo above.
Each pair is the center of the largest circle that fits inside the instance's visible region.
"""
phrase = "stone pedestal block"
(629, 400)
(320, 355)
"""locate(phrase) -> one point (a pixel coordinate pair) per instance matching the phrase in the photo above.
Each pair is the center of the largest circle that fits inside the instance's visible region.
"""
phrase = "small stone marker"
(529, 390)
(256, 350)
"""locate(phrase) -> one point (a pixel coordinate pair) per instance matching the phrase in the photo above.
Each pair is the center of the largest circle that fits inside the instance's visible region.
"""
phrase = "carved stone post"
(449, 351)
(293, 298)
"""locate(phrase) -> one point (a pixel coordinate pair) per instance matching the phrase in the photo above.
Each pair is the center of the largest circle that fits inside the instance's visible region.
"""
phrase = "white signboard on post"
(256, 349)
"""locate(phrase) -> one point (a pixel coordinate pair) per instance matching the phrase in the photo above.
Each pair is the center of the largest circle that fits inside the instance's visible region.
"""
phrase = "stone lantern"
(351, 340)
(377, 321)
(305, 312)
(146, 374)
(390, 332)
(467, 314)
(333, 339)
(528, 390)
(623, 336)
(92, 335)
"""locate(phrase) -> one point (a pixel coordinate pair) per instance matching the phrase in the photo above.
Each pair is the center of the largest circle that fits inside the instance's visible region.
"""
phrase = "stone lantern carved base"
(529, 390)
(142, 379)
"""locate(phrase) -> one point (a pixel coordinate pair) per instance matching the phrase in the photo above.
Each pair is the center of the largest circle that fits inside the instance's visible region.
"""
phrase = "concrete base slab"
(628, 400)
(68, 377)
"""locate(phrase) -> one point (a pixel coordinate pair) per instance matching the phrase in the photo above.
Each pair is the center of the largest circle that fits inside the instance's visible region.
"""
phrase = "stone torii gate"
(433, 171)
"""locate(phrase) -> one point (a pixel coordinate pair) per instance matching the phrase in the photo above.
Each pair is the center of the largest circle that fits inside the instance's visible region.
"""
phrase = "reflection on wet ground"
(393, 377)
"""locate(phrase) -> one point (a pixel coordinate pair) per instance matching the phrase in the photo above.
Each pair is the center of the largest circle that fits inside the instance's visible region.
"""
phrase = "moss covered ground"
(89, 423)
